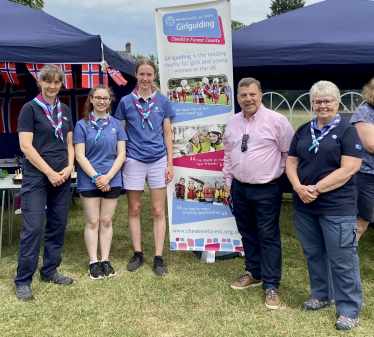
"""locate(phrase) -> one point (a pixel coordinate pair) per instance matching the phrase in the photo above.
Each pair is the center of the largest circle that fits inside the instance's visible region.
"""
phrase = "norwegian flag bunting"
(105, 76)
(68, 82)
(8, 70)
(34, 69)
(117, 76)
(90, 75)
(2, 127)
(12, 99)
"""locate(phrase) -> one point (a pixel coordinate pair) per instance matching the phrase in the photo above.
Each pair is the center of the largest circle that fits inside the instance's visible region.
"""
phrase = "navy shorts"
(112, 194)
(365, 200)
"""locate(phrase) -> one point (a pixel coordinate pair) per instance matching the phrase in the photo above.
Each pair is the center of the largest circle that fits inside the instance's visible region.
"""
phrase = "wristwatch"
(315, 188)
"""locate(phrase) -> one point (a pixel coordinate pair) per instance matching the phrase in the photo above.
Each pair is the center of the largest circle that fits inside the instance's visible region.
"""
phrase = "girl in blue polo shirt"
(100, 151)
(145, 114)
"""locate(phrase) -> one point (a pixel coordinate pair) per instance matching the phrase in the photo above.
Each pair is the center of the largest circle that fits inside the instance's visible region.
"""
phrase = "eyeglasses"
(98, 98)
(327, 102)
(244, 143)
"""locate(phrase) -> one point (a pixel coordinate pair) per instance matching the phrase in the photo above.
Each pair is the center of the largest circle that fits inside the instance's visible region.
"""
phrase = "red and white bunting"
(105, 76)
(68, 81)
(8, 71)
(90, 75)
(34, 69)
(117, 76)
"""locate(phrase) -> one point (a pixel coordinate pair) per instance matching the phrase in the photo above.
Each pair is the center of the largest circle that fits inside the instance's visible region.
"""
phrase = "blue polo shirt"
(312, 167)
(324, 128)
(145, 145)
(102, 154)
(50, 107)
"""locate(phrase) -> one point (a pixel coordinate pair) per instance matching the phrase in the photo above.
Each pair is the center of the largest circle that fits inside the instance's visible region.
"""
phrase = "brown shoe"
(272, 300)
(246, 281)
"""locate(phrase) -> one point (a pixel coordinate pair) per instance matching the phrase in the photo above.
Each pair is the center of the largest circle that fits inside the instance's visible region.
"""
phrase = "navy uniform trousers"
(36, 193)
(257, 209)
(329, 245)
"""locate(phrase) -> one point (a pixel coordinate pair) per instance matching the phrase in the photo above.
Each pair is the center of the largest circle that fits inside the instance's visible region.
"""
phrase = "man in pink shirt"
(256, 146)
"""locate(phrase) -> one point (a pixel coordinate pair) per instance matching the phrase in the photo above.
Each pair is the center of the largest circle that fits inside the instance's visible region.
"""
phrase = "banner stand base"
(211, 256)
(208, 256)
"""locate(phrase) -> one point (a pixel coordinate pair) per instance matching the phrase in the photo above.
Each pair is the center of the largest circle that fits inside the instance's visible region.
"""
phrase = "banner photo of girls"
(193, 140)
(200, 213)
(195, 66)
(210, 190)
(195, 59)
(208, 90)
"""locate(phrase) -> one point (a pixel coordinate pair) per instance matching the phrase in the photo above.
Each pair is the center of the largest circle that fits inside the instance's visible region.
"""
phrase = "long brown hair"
(88, 106)
(148, 62)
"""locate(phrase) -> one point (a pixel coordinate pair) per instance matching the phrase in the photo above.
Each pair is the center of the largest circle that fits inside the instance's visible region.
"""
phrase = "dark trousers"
(329, 246)
(36, 193)
(257, 208)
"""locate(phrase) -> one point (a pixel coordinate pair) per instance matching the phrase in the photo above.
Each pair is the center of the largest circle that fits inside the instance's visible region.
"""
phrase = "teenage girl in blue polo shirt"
(100, 151)
(145, 114)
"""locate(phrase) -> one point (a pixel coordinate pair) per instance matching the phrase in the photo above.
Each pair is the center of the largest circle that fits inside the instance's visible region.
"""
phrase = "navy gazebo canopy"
(331, 40)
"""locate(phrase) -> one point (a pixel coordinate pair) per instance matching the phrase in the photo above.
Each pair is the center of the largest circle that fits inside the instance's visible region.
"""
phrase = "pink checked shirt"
(270, 136)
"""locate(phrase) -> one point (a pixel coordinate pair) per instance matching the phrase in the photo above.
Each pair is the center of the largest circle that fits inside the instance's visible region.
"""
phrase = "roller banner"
(195, 65)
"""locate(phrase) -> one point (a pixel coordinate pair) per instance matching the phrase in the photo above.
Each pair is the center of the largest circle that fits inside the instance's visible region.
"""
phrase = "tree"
(282, 6)
(235, 25)
(37, 4)
(152, 57)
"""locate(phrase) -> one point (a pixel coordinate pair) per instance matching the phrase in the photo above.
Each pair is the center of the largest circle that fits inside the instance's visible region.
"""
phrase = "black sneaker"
(95, 271)
(24, 293)
(159, 266)
(107, 269)
(136, 261)
(57, 278)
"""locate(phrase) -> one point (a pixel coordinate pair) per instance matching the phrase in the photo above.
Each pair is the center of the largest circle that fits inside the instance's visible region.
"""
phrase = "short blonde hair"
(368, 92)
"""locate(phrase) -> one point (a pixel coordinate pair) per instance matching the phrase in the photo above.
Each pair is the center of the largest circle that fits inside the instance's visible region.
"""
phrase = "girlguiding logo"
(169, 21)
(200, 23)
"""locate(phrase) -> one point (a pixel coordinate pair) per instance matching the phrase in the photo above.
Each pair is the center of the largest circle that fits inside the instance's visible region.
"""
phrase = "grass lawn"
(195, 299)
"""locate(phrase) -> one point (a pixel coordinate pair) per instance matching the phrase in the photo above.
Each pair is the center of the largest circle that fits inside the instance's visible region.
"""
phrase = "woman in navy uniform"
(324, 156)
(45, 131)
